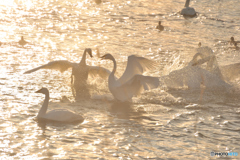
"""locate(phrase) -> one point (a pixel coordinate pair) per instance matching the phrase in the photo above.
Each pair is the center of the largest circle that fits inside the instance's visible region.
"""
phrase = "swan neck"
(43, 110)
(187, 3)
(83, 61)
(114, 66)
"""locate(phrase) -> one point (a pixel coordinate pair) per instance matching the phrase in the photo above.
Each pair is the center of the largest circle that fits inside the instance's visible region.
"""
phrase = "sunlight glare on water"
(169, 122)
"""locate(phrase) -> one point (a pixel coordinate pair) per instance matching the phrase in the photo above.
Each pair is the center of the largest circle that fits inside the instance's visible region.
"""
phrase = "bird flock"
(123, 89)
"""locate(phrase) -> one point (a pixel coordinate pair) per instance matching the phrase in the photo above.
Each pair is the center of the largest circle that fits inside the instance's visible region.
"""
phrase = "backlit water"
(160, 124)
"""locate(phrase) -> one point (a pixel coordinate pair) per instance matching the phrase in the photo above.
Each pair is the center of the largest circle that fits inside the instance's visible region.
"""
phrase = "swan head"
(107, 56)
(89, 51)
(43, 91)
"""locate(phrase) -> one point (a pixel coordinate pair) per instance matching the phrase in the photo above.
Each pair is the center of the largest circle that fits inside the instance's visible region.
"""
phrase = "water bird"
(59, 115)
(235, 46)
(22, 42)
(80, 72)
(188, 11)
(98, 1)
(199, 44)
(233, 42)
(132, 82)
(159, 26)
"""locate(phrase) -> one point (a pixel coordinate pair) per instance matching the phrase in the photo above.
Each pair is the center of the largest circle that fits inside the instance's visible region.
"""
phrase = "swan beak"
(90, 53)
(103, 57)
(38, 91)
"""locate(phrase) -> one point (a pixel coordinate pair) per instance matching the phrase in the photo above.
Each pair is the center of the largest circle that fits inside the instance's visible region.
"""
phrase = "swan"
(160, 27)
(188, 11)
(80, 72)
(193, 75)
(206, 56)
(22, 42)
(131, 82)
(59, 115)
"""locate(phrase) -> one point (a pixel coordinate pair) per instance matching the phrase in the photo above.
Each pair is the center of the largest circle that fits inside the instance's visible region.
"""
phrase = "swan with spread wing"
(132, 82)
(58, 115)
(80, 72)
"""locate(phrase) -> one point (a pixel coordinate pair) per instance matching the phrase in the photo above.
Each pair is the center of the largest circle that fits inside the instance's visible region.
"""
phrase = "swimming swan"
(60, 115)
(160, 27)
(132, 82)
(188, 11)
(22, 42)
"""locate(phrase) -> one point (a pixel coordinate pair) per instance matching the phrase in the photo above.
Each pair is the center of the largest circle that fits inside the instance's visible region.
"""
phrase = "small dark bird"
(232, 41)
(22, 41)
(98, 1)
(235, 45)
(160, 27)
(199, 44)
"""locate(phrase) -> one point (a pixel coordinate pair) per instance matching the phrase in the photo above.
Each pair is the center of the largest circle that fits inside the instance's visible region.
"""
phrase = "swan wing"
(136, 65)
(100, 71)
(201, 61)
(135, 86)
(61, 65)
(63, 115)
(231, 71)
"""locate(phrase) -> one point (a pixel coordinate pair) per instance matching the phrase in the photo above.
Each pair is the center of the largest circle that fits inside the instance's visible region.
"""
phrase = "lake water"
(162, 123)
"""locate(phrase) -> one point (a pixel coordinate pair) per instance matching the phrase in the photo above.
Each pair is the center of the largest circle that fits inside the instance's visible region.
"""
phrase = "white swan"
(60, 115)
(207, 56)
(226, 72)
(80, 72)
(132, 82)
(22, 42)
(188, 11)
(159, 26)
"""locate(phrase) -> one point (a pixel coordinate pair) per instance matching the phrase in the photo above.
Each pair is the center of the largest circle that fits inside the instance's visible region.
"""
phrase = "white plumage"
(59, 115)
(132, 82)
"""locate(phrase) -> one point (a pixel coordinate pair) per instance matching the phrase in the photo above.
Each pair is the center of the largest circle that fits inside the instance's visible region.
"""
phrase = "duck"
(58, 115)
(199, 44)
(233, 42)
(98, 1)
(80, 72)
(22, 42)
(159, 26)
(235, 46)
(132, 82)
(188, 11)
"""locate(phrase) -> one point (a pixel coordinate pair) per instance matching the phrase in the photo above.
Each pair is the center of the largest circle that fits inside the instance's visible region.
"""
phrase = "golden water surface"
(159, 124)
